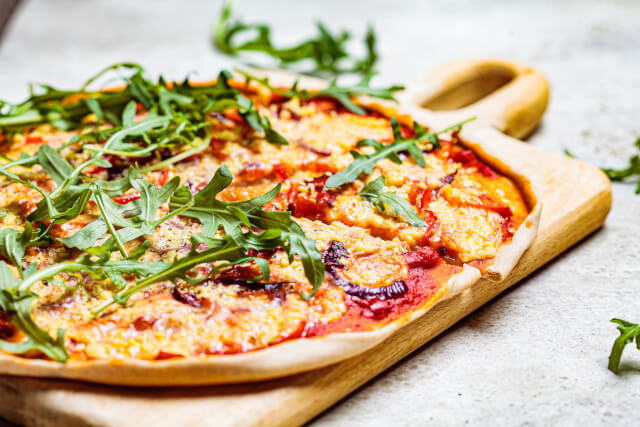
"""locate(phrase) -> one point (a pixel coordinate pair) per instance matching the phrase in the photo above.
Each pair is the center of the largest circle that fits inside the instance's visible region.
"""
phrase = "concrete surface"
(537, 355)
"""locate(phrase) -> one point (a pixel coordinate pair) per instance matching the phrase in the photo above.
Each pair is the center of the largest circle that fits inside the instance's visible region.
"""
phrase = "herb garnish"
(17, 304)
(326, 51)
(342, 94)
(230, 249)
(619, 175)
(179, 112)
(138, 219)
(364, 163)
(16, 296)
(231, 216)
(631, 170)
(373, 193)
(628, 332)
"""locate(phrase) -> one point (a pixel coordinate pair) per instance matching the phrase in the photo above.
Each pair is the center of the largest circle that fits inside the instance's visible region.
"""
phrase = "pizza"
(236, 230)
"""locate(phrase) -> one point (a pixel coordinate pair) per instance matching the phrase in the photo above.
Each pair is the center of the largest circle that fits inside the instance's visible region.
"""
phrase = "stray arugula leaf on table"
(628, 332)
(374, 193)
(632, 170)
(619, 175)
(327, 51)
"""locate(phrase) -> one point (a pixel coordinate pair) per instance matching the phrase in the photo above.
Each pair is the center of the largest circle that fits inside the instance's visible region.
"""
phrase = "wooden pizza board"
(576, 199)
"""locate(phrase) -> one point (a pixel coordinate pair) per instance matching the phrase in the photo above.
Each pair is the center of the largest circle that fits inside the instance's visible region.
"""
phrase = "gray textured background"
(536, 355)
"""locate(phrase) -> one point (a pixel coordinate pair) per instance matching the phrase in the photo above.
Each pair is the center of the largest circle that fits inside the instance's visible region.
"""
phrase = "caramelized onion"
(186, 298)
(6, 328)
(394, 290)
(315, 150)
(331, 258)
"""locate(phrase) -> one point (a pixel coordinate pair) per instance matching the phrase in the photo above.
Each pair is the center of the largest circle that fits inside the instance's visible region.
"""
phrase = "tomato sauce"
(427, 278)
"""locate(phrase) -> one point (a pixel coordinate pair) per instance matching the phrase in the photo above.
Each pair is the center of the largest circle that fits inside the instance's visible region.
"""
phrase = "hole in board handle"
(470, 89)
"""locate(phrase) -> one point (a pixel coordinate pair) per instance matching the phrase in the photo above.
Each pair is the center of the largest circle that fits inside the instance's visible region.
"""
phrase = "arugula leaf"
(17, 304)
(63, 208)
(342, 94)
(98, 264)
(26, 160)
(184, 108)
(130, 129)
(629, 171)
(16, 297)
(364, 163)
(56, 166)
(87, 236)
(367, 64)
(135, 219)
(373, 193)
(213, 213)
(326, 51)
(226, 249)
(13, 245)
(48, 106)
(231, 216)
(257, 122)
(628, 332)
(138, 217)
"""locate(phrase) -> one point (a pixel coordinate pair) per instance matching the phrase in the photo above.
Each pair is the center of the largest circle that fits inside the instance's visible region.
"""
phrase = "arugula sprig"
(134, 219)
(16, 296)
(16, 304)
(629, 171)
(374, 193)
(185, 111)
(226, 249)
(327, 51)
(628, 332)
(71, 196)
(281, 231)
(232, 216)
(364, 163)
(13, 245)
(342, 94)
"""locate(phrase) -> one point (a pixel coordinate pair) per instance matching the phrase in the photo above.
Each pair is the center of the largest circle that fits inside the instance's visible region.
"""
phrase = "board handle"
(507, 95)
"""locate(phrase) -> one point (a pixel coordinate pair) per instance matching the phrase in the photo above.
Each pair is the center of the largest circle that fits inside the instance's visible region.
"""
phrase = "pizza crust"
(287, 358)
(509, 254)
(301, 355)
